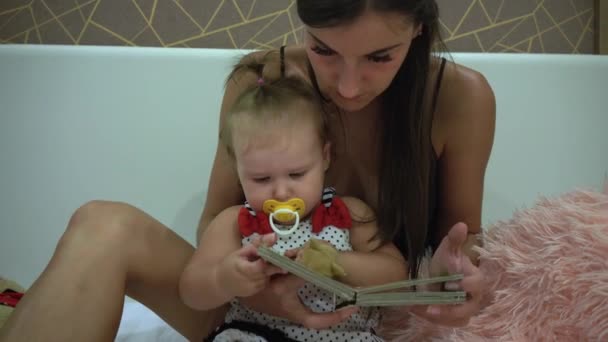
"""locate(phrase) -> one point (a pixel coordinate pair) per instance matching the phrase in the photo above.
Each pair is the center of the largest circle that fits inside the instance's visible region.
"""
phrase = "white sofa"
(140, 125)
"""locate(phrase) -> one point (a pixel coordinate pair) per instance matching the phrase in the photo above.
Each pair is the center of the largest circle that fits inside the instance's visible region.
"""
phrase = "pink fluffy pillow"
(547, 274)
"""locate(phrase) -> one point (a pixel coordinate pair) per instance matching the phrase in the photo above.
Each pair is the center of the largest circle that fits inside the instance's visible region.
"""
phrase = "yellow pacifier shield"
(294, 205)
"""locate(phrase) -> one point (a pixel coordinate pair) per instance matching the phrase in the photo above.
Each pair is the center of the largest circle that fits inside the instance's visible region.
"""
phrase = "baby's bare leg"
(108, 250)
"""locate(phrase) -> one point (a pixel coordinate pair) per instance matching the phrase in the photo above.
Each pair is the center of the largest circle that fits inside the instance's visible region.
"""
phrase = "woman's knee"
(104, 221)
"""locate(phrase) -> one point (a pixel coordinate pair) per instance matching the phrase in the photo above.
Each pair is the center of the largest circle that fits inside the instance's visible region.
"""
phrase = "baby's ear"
(326, 156)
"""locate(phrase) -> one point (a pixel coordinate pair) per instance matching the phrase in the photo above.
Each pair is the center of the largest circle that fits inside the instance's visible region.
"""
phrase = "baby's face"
(282, 163)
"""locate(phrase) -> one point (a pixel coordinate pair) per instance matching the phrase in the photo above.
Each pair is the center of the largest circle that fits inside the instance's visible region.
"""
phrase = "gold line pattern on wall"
(536, 26)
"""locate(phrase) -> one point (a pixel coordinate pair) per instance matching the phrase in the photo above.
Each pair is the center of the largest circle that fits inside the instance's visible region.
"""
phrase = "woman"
(413, 138)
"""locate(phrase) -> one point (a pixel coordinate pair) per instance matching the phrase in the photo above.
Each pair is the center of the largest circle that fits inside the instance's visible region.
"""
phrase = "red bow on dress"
(336, 215)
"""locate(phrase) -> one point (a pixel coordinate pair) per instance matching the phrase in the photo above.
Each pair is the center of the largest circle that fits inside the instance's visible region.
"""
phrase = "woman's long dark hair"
(405, 147)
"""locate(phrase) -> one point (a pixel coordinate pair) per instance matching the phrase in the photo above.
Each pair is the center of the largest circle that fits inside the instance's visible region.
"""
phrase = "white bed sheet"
(140, 324)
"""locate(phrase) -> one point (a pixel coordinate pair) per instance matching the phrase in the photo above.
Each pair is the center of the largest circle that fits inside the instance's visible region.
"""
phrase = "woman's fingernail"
(433, 310)
(452, 286)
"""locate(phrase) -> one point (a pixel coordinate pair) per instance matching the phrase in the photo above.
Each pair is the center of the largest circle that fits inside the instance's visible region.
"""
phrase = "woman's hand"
(280, 298)
(450, 258)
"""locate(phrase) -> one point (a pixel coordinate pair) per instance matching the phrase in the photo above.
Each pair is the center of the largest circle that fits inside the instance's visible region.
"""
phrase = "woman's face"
(355, 63)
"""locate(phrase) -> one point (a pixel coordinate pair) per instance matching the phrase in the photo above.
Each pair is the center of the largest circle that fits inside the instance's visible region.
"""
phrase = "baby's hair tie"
(260, 81)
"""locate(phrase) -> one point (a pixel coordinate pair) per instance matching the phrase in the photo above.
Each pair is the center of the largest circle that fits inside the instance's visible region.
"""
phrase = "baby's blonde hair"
(269, 102)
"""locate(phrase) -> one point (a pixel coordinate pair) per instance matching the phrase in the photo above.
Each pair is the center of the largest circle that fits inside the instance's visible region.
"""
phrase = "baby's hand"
(243, 273)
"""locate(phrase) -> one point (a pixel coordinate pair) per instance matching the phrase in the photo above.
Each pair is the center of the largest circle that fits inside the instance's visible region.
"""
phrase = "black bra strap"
(282, 56)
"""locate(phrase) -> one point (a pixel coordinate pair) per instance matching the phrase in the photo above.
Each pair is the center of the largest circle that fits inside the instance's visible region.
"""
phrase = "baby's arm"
(370, 263)
(221, 268)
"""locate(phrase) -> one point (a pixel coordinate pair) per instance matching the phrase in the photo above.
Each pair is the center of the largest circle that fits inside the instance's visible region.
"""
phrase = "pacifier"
(284, 212)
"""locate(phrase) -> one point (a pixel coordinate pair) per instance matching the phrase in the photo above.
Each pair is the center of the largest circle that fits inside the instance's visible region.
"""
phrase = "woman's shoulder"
(460, 85)
(465, 102)
(468, 80)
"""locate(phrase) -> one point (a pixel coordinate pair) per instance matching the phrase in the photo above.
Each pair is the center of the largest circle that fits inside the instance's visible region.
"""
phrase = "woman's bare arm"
(465, 120)
(466, 116)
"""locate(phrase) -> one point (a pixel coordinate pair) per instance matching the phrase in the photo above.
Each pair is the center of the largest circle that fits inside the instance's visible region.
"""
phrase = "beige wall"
(601, 24)
(552, 26)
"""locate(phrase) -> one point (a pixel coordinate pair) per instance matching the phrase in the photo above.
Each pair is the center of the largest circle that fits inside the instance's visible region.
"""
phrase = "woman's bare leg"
(108, 250)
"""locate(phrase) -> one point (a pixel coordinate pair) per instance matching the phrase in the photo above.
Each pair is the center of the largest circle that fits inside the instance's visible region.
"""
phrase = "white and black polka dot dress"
(359, 327)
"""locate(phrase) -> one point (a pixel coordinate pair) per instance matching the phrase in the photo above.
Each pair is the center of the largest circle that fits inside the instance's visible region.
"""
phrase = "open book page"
(382, 295)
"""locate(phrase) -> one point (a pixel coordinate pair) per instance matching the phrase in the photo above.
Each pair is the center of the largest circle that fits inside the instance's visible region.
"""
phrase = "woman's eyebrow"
(376, 52)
